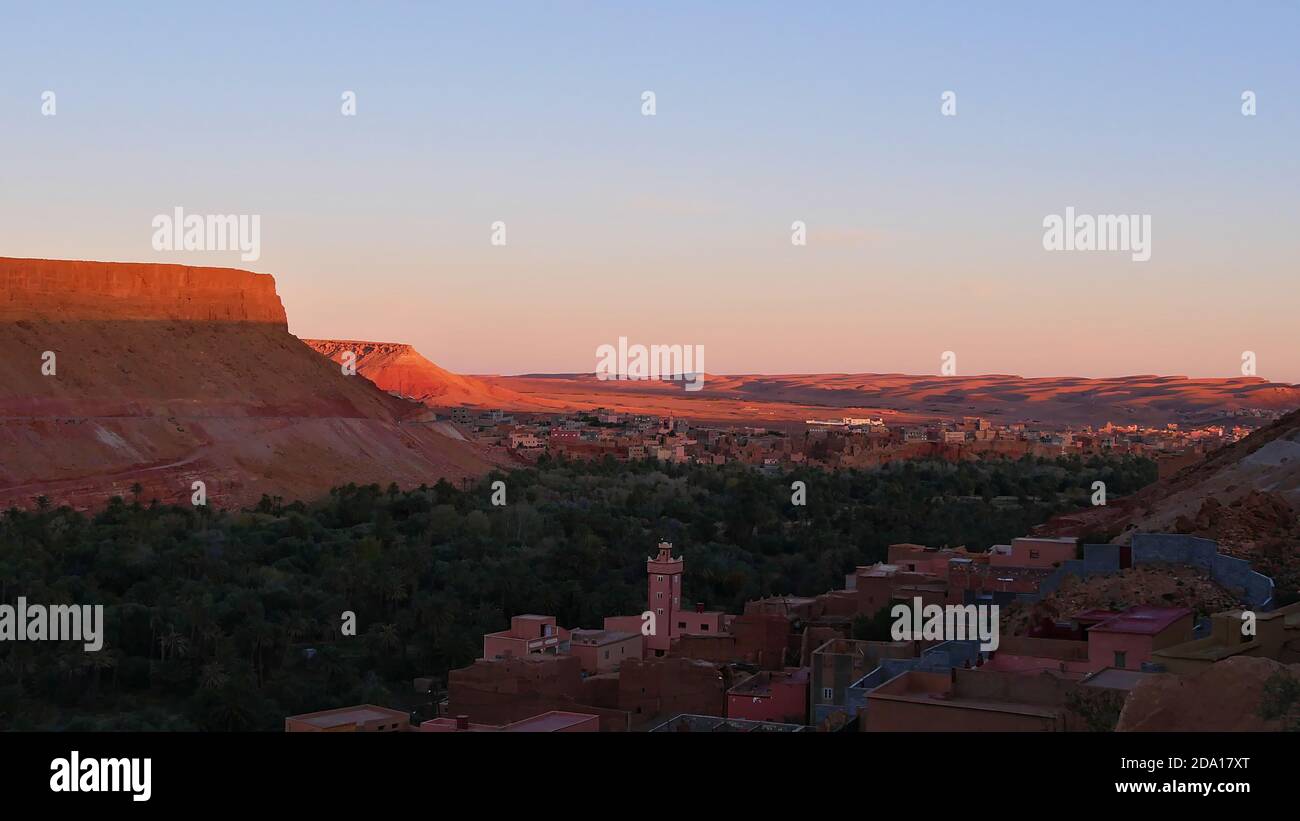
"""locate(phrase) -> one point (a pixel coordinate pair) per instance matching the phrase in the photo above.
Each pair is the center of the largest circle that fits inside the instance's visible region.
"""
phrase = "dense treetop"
(230, 620)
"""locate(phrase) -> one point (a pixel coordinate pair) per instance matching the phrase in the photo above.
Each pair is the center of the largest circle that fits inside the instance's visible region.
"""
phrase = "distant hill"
(789, 400)
(1152, 400)
(400, 370)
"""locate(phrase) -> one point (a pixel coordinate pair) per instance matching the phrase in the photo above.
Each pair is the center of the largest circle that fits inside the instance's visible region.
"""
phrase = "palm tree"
(99, 661)
(387, 637)
(174, 642)
(213, 676)
(381, 640)
(19, 663)
(394, 589)
(295, 629)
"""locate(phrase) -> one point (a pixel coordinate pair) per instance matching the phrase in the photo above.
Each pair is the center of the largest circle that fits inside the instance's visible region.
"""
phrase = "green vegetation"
(223, 620)
(1281, 700)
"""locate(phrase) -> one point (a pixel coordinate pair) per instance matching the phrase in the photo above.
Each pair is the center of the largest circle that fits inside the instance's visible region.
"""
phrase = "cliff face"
(400, 370)
(165, 375)
(59, 290)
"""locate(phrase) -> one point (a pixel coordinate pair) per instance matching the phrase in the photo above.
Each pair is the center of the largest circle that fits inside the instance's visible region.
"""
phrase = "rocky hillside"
(1239, 694)
(164, 375)
(1246, 496)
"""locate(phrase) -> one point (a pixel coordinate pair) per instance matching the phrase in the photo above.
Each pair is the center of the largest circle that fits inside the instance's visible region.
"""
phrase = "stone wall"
(1255, 589)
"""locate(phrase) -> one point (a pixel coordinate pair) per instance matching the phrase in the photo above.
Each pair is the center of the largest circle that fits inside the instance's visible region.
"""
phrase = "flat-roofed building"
(1131, 637)
(1274, 634)
(362, 718)
(556, 721)
(837, 664)
(528, 634)
(700, 620)
(1034, 551)
(603, 651)
(1025, 654)
(780, 696)
(716, 724)
(970, 700)
(552, 721)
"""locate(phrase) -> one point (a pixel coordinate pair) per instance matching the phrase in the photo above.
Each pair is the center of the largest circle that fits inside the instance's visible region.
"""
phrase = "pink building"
(664, 594)
(603, 651)
(527, 634)
(1030, 551)
(919, 701)
(623, 624)
(554, 721)
(1025, 654)
(363, 718)
(699, 621)
(1120, 640)
(1128, 639)
(780, 696)
(917, 558)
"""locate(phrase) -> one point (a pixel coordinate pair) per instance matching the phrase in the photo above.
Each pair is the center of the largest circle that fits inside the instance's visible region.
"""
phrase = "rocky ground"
(1231, 696)
(1166, 585)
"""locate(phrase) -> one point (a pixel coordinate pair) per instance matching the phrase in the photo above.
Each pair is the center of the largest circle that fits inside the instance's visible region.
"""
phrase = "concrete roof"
(351, 715)
(550, 722)
(1145, 621)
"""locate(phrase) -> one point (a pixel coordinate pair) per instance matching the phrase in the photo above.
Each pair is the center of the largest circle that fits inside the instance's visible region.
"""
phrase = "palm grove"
(230, 620)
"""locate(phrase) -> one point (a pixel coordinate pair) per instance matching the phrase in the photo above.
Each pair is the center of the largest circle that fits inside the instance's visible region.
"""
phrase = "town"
(849, 442)
(798, 664)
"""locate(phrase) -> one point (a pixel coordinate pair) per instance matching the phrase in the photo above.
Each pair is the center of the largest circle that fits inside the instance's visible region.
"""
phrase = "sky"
(924, 231)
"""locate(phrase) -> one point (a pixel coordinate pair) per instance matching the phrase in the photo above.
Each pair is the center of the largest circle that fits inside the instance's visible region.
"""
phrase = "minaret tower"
(664, 597)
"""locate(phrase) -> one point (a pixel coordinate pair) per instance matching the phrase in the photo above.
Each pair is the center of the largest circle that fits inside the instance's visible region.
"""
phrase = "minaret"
(664, 597)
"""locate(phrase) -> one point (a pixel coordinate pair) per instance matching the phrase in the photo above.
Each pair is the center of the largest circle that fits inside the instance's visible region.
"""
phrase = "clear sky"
(924, 231)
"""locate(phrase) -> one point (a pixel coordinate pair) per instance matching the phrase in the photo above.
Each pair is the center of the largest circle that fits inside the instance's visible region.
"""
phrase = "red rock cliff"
(168, 374)
(66, 290)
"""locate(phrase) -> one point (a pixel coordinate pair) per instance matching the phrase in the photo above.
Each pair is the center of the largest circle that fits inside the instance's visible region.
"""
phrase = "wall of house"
(786, 704)
(1102, 648)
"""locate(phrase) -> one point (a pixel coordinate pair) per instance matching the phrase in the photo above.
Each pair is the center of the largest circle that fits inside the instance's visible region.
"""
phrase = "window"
(828, 693)
(659, 578)
(1120, 658)
(606, 654)
(660, 611)
(659, 594)
(704, 628)
(1033, 554)
(681, 625)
